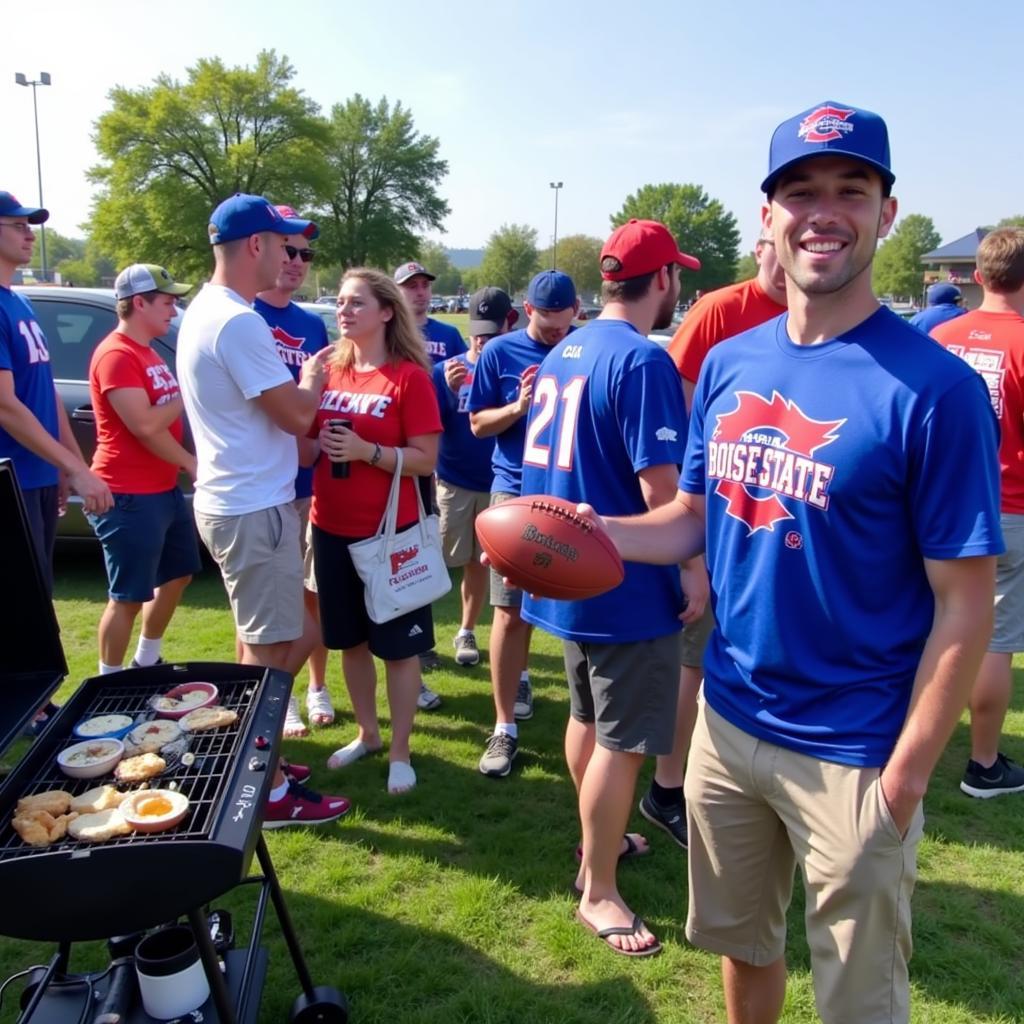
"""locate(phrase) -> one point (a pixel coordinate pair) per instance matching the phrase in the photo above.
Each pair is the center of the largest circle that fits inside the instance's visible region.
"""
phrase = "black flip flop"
(631, 850)
(604, 934)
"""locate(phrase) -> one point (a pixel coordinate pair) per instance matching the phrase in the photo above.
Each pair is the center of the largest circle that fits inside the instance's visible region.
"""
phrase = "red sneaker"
(296, 772)
(301, 806)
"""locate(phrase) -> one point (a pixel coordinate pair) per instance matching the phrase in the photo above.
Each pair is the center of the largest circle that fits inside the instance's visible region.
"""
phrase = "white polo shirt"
(226, 358)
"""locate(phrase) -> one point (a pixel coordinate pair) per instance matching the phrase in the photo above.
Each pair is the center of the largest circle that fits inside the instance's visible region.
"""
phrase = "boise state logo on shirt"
(762, 454)
(825, 124)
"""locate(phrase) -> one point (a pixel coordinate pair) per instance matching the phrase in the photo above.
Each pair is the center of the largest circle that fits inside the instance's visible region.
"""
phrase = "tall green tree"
(897, 268)
(701, 225)
(580, 257)
(384, 177)
(435, 258)
(747, 267)
(1012, 222)
(170, 152)
(510, 257)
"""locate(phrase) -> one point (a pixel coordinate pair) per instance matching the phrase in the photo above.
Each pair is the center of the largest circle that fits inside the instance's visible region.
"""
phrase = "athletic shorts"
(756, 811)
(260, 560)
(459, 508)
(695, 639)
(502, 596)
(148, 540)
(343, 618)
(41, 511)
(1008, 630)
(629, 692)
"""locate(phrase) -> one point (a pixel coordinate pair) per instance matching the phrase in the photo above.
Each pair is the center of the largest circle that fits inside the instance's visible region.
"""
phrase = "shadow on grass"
(392, 971)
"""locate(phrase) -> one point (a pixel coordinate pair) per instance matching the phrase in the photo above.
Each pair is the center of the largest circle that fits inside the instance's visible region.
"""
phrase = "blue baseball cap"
(10, 207)
(829, 129)
(551, 289)
(939, 294)
(243, 215)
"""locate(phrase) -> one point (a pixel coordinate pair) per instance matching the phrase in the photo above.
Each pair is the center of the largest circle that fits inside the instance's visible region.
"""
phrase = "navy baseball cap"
(828, 129)
(10, 207)
(942, 293)
(243, 215)
(551, 289)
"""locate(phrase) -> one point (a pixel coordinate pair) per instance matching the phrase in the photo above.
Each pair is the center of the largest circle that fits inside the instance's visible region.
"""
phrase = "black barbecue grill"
(89, 890)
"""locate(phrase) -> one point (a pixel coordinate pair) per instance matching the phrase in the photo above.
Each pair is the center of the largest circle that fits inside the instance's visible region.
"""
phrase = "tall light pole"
(556, 185)
(44, 79)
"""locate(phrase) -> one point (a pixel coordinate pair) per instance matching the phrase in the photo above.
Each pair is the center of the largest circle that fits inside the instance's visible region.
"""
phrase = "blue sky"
(605, 97)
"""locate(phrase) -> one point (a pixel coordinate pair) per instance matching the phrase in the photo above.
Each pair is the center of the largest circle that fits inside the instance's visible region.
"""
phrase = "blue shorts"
(148, 540)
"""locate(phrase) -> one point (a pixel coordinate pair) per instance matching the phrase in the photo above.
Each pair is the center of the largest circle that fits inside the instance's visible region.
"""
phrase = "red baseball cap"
(641, 247)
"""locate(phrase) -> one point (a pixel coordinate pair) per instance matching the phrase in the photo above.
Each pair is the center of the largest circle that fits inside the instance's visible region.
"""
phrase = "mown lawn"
(452, 904)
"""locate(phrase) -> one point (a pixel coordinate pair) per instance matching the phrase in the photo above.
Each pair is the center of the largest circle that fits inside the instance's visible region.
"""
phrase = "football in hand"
(541, 544)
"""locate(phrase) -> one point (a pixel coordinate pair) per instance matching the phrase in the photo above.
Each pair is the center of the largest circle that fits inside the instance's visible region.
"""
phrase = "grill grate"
(215, 753)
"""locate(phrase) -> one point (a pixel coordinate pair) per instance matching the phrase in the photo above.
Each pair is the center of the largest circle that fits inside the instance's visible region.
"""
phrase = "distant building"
(955, 262)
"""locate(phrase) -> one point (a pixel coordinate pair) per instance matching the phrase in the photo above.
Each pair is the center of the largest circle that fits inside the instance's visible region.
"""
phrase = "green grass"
(452, 904)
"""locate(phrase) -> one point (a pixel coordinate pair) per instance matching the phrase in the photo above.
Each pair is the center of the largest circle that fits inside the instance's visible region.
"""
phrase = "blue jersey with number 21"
(607, 404)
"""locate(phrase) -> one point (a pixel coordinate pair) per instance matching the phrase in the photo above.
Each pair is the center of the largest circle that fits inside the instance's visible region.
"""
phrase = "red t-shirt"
(388, 406)
(993, 343)
(716, 316)
(121, 459)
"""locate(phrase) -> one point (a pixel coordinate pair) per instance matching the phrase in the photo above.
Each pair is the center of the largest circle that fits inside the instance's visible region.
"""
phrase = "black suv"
(75, 321)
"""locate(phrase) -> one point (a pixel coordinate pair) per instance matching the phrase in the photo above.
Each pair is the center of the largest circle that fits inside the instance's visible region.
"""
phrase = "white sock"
(508, 728)
(279, 792)
(148, 651)
(464, 632)
(106, 669)
(524, 677)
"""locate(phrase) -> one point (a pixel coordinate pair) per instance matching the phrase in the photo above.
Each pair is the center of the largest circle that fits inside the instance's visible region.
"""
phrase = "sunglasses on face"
(306, 255)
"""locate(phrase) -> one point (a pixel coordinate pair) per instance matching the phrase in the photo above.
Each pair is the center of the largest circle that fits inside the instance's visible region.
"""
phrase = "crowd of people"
(819, 520)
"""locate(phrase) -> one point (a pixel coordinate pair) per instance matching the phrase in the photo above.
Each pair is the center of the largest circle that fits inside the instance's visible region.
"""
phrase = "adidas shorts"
(343, 618)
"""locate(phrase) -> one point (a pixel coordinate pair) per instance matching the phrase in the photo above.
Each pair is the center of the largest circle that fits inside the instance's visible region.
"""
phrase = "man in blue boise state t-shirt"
(299, 334)
(498, 404)
(443, 341)
(34, 430)
(844, 470)
(607, 426)
(464, 463)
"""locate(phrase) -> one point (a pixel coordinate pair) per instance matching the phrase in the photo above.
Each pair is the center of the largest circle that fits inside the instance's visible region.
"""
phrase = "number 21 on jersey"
(546, 399)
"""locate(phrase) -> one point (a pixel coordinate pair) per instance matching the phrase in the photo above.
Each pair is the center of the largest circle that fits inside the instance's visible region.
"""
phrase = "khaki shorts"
(757, 811)
(302, 506)
(502, 596)
(1008, 630)
(459, 508)
(259, 559)
(695, 639)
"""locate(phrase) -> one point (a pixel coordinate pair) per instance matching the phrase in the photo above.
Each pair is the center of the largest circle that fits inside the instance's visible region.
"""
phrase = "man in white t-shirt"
(245, 411)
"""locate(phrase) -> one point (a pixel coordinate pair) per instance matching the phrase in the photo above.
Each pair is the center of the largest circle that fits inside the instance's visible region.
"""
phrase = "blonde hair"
(402, 338)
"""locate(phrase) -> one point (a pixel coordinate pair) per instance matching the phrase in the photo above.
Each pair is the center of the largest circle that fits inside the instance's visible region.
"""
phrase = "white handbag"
(401, 571)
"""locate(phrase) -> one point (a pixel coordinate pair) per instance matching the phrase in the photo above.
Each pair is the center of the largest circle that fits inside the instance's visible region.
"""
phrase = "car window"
(72, 330)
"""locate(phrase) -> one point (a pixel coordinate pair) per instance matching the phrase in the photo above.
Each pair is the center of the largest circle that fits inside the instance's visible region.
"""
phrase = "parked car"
(75, 321)
(326, 313)
(326, 300)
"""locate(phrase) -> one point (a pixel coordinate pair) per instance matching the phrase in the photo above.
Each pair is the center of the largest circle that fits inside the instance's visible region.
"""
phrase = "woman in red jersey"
(377, 383)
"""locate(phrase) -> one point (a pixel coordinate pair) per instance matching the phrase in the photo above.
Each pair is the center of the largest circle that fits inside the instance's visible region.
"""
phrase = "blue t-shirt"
(606, 405)
(463, 460)
(935, 315)
(443, 340)
(830, 472)
(496, 383)
(298, 334)
(24, 353)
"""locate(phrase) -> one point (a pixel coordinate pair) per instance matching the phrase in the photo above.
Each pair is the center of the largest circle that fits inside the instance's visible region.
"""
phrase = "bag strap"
(389, 519)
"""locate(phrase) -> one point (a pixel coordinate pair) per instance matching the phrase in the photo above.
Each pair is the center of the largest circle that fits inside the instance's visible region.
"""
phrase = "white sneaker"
(466, 651)
(427, 700)
(293, 723)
